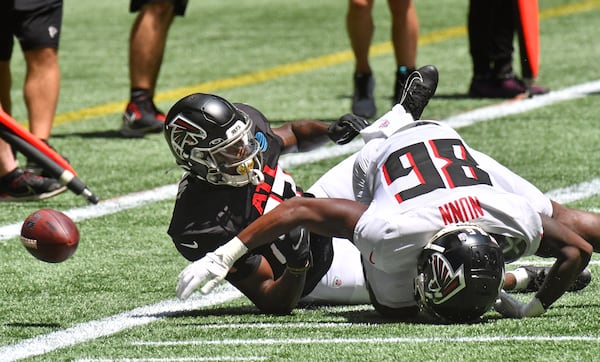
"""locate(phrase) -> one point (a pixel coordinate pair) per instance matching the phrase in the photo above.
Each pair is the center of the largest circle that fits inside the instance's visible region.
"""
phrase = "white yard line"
(275, 341)
(95, 329)
(91, 330)
(176, 359)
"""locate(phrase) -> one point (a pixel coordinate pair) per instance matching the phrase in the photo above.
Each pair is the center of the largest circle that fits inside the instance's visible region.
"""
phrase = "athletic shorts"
(136, 5)
(344, 282)
(38, 28)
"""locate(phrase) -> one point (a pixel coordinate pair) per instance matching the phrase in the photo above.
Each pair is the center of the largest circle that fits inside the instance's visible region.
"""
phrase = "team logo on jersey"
(337, 282)
(185, 133)
(262, 141)
(446, 281)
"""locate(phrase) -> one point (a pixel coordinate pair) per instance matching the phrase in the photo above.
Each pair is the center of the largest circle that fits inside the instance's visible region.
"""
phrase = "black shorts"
(136, 5)
(38, 28)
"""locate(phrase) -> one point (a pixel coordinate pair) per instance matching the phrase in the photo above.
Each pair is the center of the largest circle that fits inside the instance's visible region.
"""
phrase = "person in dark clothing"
(491, 27)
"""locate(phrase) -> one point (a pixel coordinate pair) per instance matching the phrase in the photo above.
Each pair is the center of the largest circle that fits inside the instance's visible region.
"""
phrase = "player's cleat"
(363, 101)
(20, 185)
(536, 276)
(401, 76)
(508, 87)
(418, 90)
(141, 118)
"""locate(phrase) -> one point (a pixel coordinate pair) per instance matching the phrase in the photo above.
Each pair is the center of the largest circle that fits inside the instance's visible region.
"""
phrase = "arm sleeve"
(364, 173)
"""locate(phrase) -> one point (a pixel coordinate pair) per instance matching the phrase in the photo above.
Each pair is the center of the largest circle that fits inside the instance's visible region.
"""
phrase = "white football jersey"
(420, 180)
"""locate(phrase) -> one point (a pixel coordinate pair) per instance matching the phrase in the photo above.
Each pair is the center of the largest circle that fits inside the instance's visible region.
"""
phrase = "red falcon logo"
(185, 133)
(446, 282)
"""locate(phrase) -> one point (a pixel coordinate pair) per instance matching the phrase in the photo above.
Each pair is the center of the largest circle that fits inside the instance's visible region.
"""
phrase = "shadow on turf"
(349, 316)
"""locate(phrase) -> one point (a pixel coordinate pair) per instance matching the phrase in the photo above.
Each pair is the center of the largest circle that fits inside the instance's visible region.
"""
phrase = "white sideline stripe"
(575, 192)
(90, 330)
(286, 325)
(270, 341)
(104, 207)
(175, 359)
(514, 107)
(107, 326)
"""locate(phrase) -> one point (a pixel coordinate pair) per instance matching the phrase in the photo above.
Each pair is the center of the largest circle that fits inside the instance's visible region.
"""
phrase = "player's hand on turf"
(346, 128)
(211, 268)
(295, 246)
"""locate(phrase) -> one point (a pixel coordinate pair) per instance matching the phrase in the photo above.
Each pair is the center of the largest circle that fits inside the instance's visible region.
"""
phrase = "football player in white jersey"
(411, 181)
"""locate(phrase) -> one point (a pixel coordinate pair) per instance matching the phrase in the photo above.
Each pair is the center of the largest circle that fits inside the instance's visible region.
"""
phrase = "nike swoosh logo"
(193, 245)
(419, 77)
(297, 245)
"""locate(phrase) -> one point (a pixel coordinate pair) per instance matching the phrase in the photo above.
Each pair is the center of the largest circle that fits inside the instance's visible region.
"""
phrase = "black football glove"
(346, 128)
(295, 246)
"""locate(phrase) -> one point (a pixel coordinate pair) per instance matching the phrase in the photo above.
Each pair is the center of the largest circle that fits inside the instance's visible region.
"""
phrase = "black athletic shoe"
(20, 185)
(418, 90)
(401, 76)
(537, 274)
(141, 118)
(363, 101)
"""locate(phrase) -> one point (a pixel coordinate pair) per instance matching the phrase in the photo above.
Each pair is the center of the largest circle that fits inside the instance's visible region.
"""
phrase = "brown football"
(50, 235)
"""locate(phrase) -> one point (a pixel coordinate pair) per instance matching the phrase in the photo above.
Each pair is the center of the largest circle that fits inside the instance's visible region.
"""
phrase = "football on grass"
(50, 235)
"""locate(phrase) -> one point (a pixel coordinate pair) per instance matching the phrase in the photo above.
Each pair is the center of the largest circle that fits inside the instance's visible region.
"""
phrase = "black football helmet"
(460, 274)
(214, 141)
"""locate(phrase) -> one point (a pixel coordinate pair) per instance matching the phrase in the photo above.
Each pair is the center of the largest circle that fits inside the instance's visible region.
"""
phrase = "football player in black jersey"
(230, 155)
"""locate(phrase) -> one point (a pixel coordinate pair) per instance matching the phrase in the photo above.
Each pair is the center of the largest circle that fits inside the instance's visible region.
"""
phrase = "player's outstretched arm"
(572, 255)
(323, 216)
(327, 217)
(302, 135)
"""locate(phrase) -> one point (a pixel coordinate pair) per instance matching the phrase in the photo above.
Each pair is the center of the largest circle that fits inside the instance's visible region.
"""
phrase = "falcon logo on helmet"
(446, 282)
(185, 134)
(459, 274)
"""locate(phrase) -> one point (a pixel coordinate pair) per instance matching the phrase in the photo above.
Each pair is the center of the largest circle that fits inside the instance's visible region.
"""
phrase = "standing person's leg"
(5, 85)
(147, 43)
(479, 26)
(360, 28)
(41, 90)
(405, 39)
(39, 32)
(6, 48)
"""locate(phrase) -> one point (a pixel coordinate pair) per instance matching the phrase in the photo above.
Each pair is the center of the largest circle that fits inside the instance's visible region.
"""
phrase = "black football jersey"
(206, 216)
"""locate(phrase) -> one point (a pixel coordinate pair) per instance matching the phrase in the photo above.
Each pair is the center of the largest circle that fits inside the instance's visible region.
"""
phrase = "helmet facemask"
(233, 158)
(236, 162)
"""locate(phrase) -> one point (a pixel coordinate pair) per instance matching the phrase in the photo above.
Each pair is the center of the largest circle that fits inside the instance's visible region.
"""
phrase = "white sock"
(522, 278)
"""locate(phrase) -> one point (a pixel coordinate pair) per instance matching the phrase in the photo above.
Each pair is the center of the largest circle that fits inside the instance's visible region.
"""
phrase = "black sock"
(140, 95)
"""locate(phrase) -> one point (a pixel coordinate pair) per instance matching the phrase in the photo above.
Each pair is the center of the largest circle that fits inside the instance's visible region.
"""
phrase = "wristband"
(232, 250)
(300, 270)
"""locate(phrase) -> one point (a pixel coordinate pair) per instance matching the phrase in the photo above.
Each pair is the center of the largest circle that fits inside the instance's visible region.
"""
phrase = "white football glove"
(212, 268)
(510, 307)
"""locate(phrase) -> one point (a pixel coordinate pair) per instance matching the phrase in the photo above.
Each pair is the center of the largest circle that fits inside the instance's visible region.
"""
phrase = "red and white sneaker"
(141, 118)
(21, 185)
